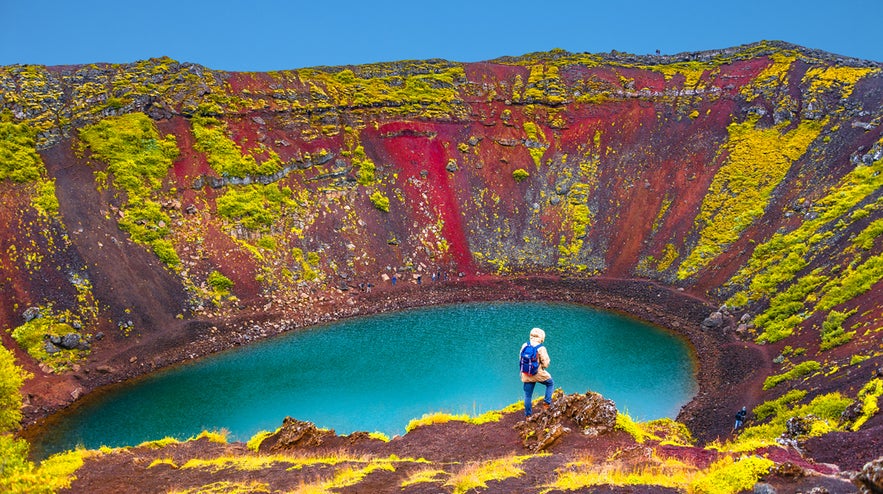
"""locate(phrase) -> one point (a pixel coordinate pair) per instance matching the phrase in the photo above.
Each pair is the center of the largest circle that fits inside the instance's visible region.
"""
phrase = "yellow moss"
(691, 71)
(163, 461)
(842, 78)
(350, 477)
(442, 417)
(219, 437)
(226, 487)
(159, 443)
(668, 472)
(783, 255)
(544, 85)
(758, 160)
(775, 75)
(538, 146)
(476, 475)
(669, 255)
(429, 475)
(869, 396)
(728, 476)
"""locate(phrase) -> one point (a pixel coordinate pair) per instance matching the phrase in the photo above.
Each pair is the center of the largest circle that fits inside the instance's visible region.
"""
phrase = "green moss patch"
(255, 206)
(758, 160)
(138, 160)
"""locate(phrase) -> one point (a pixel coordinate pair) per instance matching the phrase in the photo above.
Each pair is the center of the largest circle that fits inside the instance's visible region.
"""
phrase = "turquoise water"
(377, 373)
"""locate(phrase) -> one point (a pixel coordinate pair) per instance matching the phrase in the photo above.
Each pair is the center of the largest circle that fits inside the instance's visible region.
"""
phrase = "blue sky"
(261, 35)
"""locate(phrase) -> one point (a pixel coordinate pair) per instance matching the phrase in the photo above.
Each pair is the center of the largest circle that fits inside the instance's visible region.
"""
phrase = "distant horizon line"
(670, 57)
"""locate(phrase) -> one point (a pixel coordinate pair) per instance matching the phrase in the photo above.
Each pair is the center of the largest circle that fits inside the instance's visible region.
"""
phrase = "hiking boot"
(547, 406)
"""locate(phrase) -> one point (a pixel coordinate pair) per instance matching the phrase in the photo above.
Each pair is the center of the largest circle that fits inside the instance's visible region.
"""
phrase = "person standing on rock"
(533, 362)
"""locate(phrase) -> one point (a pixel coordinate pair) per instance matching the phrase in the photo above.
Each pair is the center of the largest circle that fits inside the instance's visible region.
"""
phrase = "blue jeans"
(528, 394)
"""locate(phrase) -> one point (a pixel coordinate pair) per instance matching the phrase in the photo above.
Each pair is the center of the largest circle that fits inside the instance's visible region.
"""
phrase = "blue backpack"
(529, 363)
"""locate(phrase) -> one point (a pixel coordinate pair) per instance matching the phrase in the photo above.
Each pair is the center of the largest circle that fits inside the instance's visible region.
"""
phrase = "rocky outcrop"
(590, 414)
(294, 434)
(870, 479)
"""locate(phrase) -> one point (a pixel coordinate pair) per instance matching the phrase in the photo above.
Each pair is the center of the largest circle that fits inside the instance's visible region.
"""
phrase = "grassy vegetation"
(779, 260)
(428, 89)
(665, 431)
(520, 174)
(833, 334)
(138, 160)
(20, 163)
(19, 160)
(822, 414)
(787, 308)
(380, 201)
(227, 487)
(758, 160)
(255, 206)
(428, 475)
(729, 476)
(839, 78)
(442, 417)
(12, 377)
(856, 279)
(225, 156)
(725, 476)
(17, 473)
(777, 406)
(254, 443)
(345, 471)
(476, 475)
(865, 240)
(799, 370)
(869, 397)
(544, 85)
(32, 335)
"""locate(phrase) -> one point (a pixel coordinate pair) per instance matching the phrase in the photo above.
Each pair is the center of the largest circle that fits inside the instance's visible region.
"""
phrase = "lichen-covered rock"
(870, 479)
(70, 341)
(295, 434)
(789, 470)
(797, 426)
(31, 313)
(591, 413)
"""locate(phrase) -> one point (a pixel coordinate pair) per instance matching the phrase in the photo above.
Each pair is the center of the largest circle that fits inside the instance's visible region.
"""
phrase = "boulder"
(763, 488)
(852, 412)
(714, 321)
(51, 349)
(797, 426)
(870, 478)
(31, 313)
(70, 341)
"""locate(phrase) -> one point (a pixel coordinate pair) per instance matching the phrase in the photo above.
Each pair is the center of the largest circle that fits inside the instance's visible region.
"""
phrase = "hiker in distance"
(740, 419)
(533, 361)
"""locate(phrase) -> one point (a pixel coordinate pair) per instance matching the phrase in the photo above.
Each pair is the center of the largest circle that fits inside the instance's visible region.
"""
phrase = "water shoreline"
(650, 302)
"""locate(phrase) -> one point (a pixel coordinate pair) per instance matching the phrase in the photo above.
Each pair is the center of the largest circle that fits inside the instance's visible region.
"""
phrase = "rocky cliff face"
(154, 195)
